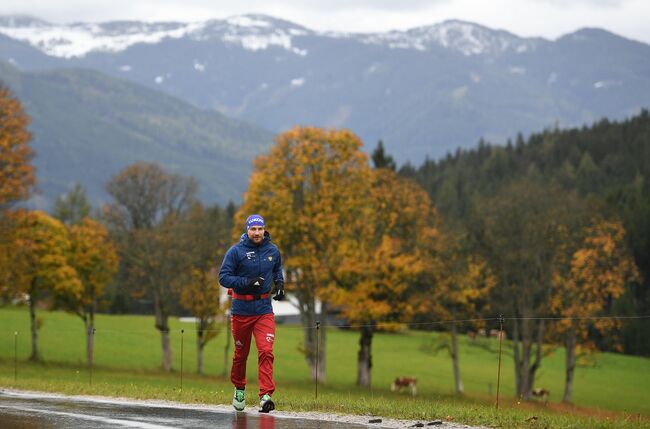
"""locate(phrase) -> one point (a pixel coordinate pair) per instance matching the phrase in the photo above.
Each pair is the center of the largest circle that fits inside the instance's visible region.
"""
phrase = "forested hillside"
(87, 126)
(606, 167)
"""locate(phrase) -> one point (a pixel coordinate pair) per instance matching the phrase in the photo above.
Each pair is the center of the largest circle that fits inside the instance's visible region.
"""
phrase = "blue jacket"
(247, 260)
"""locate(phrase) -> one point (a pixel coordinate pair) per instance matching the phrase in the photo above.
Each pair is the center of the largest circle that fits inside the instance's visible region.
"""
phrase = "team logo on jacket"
(270, 338)
(270, 258)
(239, 344)
(250, 255)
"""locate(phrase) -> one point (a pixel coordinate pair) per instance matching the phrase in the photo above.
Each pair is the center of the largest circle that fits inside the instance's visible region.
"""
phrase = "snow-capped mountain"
(253, 32)
(423, 91)
(459, 36)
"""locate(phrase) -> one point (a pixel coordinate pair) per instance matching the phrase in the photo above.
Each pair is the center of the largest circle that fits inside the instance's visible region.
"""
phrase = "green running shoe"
(266, 404)
(239, 401)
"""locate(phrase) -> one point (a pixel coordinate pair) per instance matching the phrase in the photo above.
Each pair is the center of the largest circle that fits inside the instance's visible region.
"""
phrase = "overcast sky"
(546, 18)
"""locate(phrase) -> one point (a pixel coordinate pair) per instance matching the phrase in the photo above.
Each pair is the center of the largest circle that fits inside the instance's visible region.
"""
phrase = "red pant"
(263, 327)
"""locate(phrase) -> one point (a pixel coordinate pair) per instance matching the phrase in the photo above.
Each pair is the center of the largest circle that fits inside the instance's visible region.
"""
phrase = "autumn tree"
(94, 258)
(16, 174)
(312, 190)
(39, 263)
(378, 265)
(206, 234)
(595, 274)
(144, 217)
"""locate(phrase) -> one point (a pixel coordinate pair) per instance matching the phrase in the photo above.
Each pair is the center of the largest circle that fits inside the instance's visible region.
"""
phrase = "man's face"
(256, 234)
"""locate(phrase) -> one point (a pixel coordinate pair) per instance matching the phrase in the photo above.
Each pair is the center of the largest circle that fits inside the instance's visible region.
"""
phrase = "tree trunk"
(570, 364)
(365, 357)
(34, 325)
(199, 350)
(454, 357)
(526, 346)
(89, 323)
(537, 364)
(162, 324)
(226, 350)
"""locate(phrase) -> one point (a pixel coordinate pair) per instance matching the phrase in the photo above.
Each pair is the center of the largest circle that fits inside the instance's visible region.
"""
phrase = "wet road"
(32, 411)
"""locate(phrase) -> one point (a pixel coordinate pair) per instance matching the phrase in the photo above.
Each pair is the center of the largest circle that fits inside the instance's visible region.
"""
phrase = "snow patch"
(298, 82)
(198, 66)
(373, 68)
(125, 68)
(604, 84)
(159, 79)
(464, 37)
(459, 93)
(517, 70)
(247, 21)
(256, 42)
(77, 40)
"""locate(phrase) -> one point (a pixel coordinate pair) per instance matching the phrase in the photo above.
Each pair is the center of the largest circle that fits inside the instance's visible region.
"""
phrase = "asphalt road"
(34, 411)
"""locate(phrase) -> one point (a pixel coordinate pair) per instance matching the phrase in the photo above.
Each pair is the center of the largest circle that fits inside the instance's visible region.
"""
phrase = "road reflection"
(31, 411)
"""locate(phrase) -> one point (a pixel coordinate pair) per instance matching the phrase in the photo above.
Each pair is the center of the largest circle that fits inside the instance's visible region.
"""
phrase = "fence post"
(15, 356)
(317, 354)
(182, 332)
(499, 369)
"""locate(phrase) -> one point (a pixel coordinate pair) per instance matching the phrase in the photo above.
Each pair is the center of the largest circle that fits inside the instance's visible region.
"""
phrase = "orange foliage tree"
(39, 263)
(595, 274)
(390, 252)
(312, 188)
(94, 257)
(16, 174)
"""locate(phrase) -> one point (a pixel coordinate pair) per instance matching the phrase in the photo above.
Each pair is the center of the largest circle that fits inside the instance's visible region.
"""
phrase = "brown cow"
(405, 382)
(542, 393)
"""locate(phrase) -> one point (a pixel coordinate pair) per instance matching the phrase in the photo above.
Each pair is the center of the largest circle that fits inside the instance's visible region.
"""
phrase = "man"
(249, 269)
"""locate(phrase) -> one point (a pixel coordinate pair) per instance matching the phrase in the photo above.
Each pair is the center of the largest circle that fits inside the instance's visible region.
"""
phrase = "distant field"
(613, 382)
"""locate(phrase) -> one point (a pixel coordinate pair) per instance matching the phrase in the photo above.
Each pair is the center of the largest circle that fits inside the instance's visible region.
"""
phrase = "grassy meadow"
(611, 391)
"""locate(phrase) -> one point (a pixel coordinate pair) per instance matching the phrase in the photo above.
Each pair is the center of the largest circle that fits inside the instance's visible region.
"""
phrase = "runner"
(249, 270)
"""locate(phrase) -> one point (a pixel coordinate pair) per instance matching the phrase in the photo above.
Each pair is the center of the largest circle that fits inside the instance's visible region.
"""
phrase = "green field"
(128, 361)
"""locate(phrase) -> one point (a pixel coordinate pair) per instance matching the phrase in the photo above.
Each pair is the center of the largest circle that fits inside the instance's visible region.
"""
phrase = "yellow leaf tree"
(596, 273)
(39, 263)
(94, 257)
(312, 190)
(378, 265)
(16, 174)
(201, 294)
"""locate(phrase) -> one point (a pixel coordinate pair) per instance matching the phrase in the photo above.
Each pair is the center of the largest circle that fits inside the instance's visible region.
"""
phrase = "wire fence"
(135, 336)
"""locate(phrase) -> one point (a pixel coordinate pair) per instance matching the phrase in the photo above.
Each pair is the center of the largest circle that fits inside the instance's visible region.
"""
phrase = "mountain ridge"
(87, 126)
(154, 32)
(424, 93)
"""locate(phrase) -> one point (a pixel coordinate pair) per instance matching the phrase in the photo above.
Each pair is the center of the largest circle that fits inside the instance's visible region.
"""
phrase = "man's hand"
(279, 292)
(255, 281)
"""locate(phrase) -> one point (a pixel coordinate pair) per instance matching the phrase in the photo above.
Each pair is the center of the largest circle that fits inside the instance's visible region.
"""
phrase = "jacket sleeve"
(278, 277)
(227, 276)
